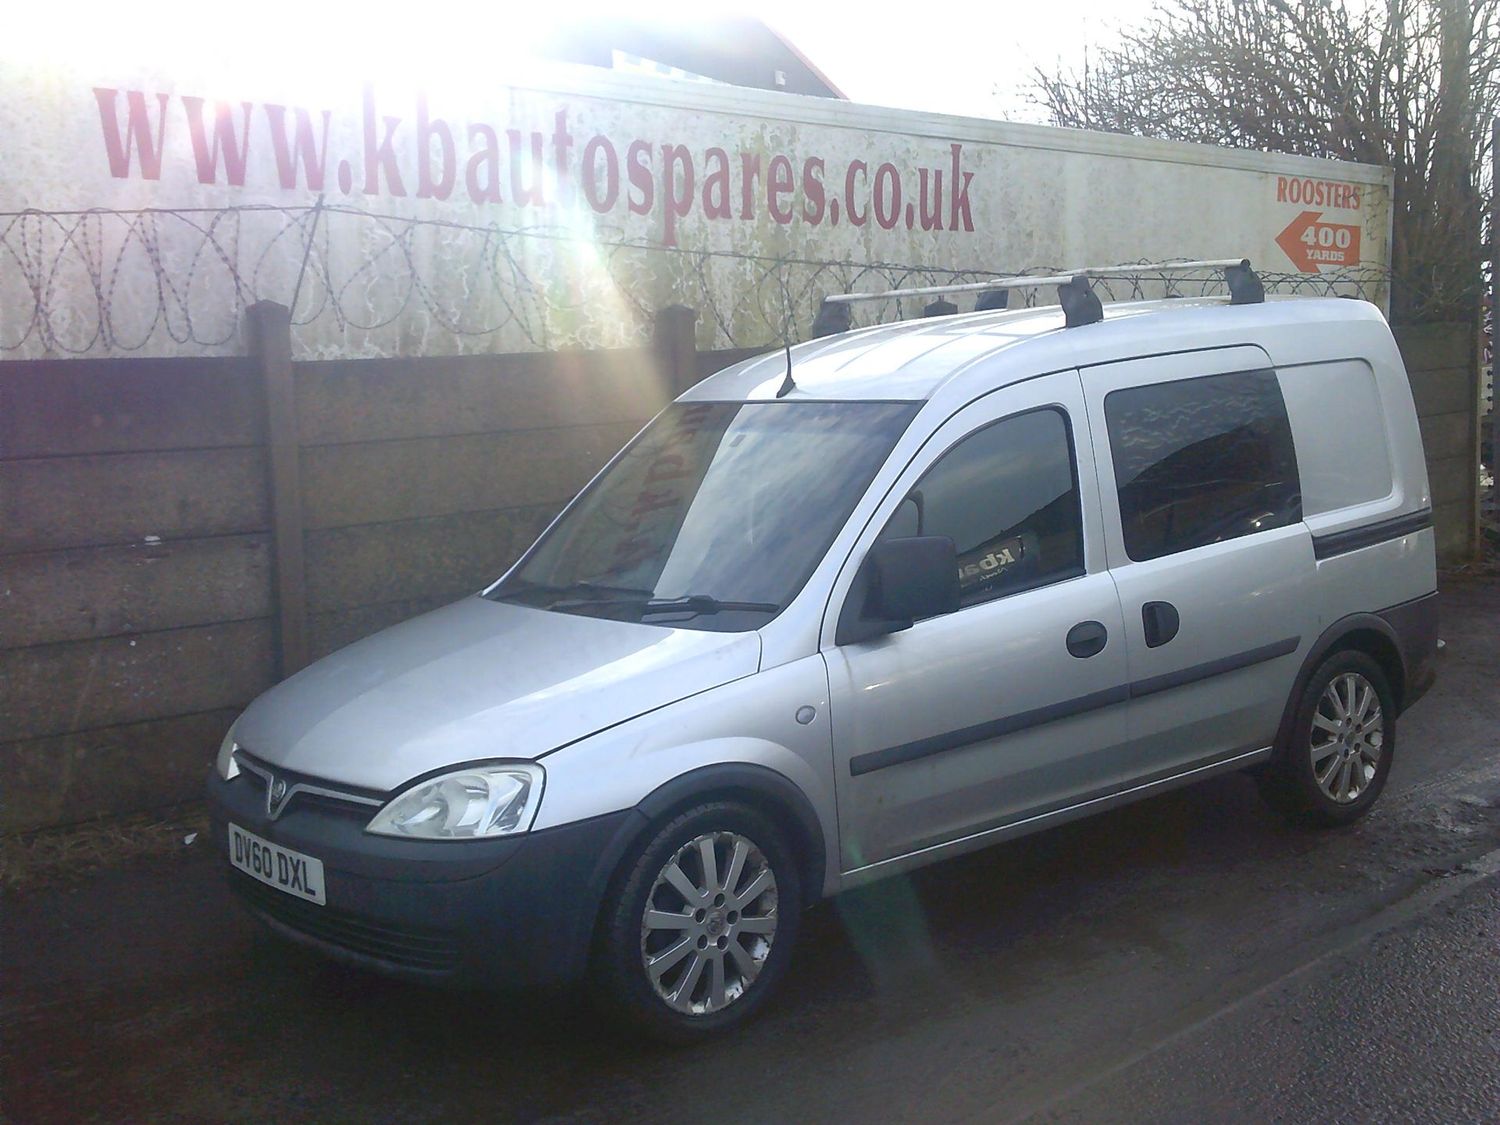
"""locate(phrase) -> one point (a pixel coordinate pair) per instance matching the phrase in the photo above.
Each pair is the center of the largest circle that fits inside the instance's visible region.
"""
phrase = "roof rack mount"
(1032, 282)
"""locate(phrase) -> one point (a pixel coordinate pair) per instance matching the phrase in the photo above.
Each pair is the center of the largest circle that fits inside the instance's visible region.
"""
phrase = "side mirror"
(900, 582)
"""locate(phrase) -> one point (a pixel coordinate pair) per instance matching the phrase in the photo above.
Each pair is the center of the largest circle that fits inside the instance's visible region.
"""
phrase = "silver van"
(889, 596)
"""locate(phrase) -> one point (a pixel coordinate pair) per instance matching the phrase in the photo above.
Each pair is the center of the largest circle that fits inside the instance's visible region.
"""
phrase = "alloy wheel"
(709, 923)
(1347, 737)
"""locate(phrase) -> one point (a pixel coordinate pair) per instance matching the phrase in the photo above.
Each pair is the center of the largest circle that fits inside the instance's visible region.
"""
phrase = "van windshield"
(714, 517)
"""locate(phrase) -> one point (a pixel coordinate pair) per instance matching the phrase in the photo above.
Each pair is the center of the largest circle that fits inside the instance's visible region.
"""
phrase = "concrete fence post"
(674, 339)
(270, 335)
(1490, 331)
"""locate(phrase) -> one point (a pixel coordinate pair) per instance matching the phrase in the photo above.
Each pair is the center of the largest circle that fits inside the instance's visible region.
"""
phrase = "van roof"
(916, 359)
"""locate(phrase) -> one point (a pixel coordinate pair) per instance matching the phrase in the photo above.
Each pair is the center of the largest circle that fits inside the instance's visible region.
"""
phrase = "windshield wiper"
(529, 589)
(702, 603)
(694, 604)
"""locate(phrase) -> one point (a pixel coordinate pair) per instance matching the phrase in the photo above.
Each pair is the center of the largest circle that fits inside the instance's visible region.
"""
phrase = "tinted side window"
(1202, 460)
(1007, 495)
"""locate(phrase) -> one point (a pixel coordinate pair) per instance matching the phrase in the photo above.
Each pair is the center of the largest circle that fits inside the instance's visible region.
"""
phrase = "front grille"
(422, 950)
(307, 789)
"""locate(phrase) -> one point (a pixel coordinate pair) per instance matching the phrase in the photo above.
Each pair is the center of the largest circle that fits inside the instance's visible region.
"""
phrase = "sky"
(970, 59)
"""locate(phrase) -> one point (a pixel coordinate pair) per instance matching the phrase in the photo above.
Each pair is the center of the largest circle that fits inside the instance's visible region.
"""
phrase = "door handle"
(1087, 638)
(1161, 622)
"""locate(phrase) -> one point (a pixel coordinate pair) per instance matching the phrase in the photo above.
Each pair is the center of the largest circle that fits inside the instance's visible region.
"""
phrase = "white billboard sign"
(142, 210)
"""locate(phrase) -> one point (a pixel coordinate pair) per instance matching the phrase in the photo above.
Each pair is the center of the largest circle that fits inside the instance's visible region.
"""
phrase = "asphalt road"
(1189, 958)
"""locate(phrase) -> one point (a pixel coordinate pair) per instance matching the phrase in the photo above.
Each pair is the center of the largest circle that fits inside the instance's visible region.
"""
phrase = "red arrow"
(1310, 243)
(1290, 240)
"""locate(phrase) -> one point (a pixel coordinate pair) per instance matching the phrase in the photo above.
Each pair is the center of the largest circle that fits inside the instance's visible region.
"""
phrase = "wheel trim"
(709, 923)
(1347, 737)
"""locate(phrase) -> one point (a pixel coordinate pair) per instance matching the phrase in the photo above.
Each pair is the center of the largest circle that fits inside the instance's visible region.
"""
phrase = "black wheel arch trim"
(763, 782)
(577, 950)
(1328, 641)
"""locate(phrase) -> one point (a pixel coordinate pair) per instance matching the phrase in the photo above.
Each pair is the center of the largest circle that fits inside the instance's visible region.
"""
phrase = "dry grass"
(58, 855)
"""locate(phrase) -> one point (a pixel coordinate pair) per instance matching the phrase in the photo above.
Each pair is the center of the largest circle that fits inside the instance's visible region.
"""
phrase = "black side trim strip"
(1010, 724)
(1342, 542)
(981, 732)
(1093, 797)
(1214, 668)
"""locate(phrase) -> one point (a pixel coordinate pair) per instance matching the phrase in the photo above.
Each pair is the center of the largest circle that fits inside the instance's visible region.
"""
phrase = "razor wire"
(112, 282)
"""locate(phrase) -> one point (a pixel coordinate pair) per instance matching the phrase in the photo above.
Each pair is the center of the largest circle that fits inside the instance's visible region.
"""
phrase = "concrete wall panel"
(1444, 390)
(1447, 435)
(58, 502)
(55, 407)
(112, 770)
(104, 591)
(438, 557)
(377, 482)
(81, 685)
(375, 399)
(1443, 366)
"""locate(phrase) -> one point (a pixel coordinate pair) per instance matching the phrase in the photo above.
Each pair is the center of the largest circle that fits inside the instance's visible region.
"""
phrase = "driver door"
(977, 718)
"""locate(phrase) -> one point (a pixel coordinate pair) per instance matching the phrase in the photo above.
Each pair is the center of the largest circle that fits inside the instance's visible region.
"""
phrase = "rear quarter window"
(1339, 426)
(1200, 461)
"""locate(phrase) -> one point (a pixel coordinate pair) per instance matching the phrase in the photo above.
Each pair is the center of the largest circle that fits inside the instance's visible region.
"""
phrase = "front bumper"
(510, 912)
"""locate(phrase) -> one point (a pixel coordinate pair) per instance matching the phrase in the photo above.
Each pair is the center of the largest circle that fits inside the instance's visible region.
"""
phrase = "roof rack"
(1050, 279)
(1079, 302)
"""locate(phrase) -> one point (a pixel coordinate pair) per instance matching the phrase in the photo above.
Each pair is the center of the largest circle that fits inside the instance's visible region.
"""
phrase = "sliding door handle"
(1161, 622)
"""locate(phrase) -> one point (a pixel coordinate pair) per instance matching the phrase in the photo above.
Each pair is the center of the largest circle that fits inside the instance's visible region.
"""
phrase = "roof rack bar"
(1032, 282)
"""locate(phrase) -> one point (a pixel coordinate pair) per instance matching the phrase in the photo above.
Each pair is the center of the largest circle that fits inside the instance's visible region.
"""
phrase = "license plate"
(275, 866)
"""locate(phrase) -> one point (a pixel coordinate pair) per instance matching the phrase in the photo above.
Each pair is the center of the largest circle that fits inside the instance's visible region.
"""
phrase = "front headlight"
(468, 804)
(228, 768)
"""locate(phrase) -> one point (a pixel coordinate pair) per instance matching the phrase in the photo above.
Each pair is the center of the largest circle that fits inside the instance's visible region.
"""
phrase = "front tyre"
(1338, 755)
(699, 926)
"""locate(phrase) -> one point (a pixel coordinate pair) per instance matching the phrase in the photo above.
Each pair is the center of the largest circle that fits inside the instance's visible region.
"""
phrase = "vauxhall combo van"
(843, 610)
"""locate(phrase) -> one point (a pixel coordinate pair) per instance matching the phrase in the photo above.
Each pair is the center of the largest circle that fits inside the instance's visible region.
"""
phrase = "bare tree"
(1411, 84)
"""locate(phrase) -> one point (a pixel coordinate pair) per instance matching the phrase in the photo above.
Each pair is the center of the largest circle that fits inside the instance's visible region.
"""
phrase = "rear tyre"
(700, 922)
(1335, 760)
